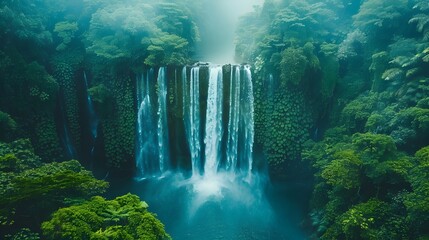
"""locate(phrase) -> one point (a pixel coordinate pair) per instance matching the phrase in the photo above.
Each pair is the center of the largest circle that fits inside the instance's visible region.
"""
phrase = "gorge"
(243, 119)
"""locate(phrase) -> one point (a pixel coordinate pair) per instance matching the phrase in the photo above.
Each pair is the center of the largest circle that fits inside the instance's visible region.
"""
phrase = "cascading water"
(248, 119)
(147, 142)
(213, 132)
(152, 146)
(162, 120)
(211, 137)
(191, 115)
(64, 131)
(234, 117)
(91, 116)
(210, 150)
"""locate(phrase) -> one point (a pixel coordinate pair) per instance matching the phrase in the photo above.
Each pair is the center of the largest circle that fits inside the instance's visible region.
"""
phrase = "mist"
(224, 206)
(218, 23)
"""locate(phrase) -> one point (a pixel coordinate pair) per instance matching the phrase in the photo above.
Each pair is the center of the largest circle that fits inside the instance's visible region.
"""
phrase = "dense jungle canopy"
(339, 91)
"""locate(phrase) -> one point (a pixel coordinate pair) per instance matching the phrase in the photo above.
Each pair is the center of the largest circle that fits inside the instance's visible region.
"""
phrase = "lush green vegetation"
(361, 67)
(341, 94)
(125, 217)
(46, 48)
(47, 45)
(32, 190)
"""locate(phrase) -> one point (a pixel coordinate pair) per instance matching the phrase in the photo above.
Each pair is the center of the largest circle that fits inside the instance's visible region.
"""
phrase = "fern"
(421, 20)
(422, 5)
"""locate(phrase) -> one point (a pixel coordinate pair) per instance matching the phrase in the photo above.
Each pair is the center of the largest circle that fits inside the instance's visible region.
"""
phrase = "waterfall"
(91, 116)
(234, 116)
(210, 150)
(248, 118)
(241, 121)
(146, 147)
(162, 120)
(191, 115)
(64, 131)
(213, 131)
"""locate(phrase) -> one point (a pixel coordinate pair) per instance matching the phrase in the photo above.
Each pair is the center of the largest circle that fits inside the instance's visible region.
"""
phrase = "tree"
(344, 170)
(417, 201)
(125, 217)
(30, 190)
(168, 49)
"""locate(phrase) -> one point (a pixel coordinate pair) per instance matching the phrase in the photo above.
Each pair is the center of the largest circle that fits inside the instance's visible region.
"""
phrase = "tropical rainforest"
(335, 95)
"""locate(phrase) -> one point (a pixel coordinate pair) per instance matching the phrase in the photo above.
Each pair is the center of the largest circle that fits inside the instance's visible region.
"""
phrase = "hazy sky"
(218, 26)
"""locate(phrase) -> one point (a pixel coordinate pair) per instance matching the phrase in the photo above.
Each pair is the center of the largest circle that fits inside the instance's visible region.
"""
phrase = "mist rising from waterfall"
(213, 116)
(218, 28)
(194, 152)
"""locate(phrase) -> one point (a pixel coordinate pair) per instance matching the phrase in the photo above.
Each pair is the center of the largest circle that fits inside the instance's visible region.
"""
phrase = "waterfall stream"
(162, 121)
(146, 141)
(234, 117)
(218, 129)
(191, 115)
(213, 133)
(194, 156)
(92, 119)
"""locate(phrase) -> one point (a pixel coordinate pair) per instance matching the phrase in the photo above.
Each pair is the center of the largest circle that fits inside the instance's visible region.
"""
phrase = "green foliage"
(417, 202)
(46, 140)
(420, 19)
(293, 65)
(393, 74)
(64, 72)
(376, 145)
(7, 126)
(119, 127)
(343, 170)
(330, 69)
(99, 93)
(23, 234)
(352, 45)
(159, 33)
(30, 188)
(351, 170)
(175, 18)
(8, 162)
(403, 125)
(23, 151)
(27, 85)
(43, 87)
(355, 114)
(65, 30)
(417, 118)
(117, 29)
(125, 217)
(282, 127)
(377, 68)
(423, 157)
(423, 103)
(365, 186)
(19, 23)
(378, 14)
(410, 125)
(380, 157)
(54, 181)
(168, 49)
(303, 20)
(296, 63)
(362, 221)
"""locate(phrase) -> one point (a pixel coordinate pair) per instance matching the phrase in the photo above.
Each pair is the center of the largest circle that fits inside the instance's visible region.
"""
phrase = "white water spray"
(163, 144)
(213, 133)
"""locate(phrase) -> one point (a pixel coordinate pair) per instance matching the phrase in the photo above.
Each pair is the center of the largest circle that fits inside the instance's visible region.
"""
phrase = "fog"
(223, 206)
(217, 28)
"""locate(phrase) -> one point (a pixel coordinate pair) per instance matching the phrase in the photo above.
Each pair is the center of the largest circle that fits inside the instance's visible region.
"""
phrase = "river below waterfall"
(224, 208)
(198, 122)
